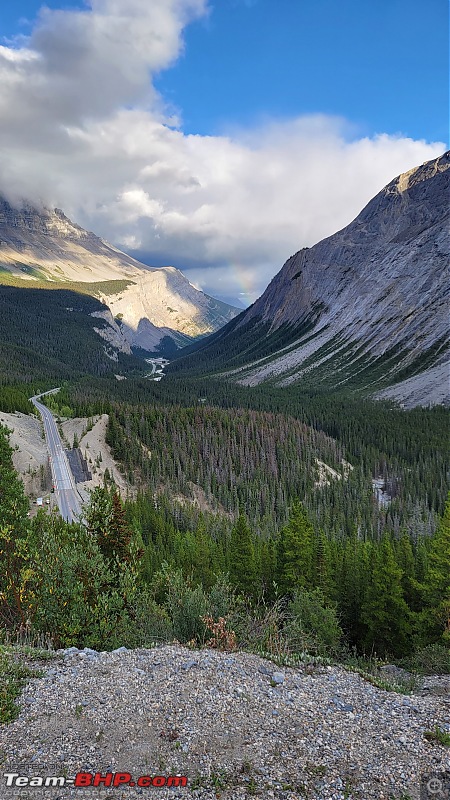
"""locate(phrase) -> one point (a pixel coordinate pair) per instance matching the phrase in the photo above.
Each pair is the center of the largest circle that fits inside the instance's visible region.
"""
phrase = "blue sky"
(381, 64)
(238, 97)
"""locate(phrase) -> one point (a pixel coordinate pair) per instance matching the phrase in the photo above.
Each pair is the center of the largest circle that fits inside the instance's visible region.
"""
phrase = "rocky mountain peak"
(374, 292)
(416, 175)
(151, 303)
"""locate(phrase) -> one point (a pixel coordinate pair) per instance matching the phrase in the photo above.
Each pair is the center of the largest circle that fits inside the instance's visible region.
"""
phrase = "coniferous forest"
(301, 523)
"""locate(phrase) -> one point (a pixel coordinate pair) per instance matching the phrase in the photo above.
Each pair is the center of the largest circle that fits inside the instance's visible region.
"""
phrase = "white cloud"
(84, 129)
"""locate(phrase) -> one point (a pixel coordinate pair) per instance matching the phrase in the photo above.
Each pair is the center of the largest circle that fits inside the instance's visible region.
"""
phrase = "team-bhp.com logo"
(84, 779)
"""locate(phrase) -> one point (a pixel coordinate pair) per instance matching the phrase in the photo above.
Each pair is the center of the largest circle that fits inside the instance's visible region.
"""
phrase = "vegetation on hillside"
(47, 337)
(290, 552)
(146, 571)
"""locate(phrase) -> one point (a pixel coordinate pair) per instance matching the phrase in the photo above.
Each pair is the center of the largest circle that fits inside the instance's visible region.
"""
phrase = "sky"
(218, 136)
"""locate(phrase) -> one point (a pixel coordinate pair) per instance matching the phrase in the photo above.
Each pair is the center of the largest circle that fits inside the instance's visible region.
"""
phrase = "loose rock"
(219, 721)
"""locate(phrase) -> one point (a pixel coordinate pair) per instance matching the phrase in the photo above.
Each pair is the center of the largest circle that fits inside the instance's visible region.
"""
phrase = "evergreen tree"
(14, 545)
(106, 520)
(353, 559)
(322, 571)
(241, 557)
(98, 513)
(385, 613)
(295, 552)
(268, 559)
(407, 562)
(203, 557)
(436, 587)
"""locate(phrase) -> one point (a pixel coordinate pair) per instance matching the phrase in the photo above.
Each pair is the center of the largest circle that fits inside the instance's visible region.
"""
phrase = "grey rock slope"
(40, 244)
(372, 300)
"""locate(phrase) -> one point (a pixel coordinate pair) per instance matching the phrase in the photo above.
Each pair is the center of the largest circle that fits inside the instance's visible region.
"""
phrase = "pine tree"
(14, 544)
(353, 559)
(106, 520)
(98, 514)
(322, 573)
(268, 567)
(407, 563)
(295, 552)
(436, 587)
(385, 613)
(241, 557)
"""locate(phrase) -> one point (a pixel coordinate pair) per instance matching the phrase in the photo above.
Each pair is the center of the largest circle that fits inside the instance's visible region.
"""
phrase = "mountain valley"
(256, 496)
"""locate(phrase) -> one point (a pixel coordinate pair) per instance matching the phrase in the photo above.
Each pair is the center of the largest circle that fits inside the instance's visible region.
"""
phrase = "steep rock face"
(40, 244)
(376, 289)
(166, 299)
(113, 333)
(53, 245)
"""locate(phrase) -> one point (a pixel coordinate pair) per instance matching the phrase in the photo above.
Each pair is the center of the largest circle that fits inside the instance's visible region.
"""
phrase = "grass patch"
(368, 668)
(438, 736)
(13, 677)
(434, 659)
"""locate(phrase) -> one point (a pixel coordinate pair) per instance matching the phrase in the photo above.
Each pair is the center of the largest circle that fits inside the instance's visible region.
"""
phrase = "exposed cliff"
(366, 307)
(40, 244)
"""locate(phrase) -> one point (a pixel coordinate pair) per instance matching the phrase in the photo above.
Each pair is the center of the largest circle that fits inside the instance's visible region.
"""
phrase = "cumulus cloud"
(84, 129)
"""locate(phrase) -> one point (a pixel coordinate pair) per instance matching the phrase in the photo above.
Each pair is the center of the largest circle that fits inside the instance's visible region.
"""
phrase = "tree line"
(146, 570)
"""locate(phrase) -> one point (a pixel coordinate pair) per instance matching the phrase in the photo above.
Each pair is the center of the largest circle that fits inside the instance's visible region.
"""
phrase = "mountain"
(48, 337)
(366, 308)
(41, 245)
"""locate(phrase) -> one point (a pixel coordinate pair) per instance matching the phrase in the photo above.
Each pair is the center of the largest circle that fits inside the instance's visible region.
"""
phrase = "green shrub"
(78, 597)
(311, 625)
(438, 736)
(184, 603)
(258, 627)
(13, 676)
(221, 598)
(152, 624)
(431, 660)
(179, 607)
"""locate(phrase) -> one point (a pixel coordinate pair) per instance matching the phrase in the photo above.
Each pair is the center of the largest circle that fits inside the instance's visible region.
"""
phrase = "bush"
(311, 625)
(182, 608)
(13, 677)
(184, 603)
(258, 627)
(78, 597)
(152, 624)
(221, 598)
(431, 660)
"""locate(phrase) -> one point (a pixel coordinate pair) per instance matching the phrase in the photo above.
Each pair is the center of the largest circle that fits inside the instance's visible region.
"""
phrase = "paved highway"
(66, 494)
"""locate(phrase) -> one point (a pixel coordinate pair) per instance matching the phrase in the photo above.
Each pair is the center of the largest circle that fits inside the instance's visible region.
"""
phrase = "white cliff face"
(39, 244)
(165, 298)
(378, 287)
(112, 334)
(50, 243)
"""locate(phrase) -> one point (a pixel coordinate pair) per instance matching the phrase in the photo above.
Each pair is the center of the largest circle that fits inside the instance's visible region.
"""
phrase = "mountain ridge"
(364, 307)
(45, 245)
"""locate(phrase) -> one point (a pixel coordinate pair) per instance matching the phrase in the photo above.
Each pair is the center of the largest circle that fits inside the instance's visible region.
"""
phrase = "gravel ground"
(236, 725)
